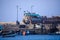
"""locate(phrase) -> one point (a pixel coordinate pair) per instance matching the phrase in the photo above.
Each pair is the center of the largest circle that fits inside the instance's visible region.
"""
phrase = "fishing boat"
(35, 24)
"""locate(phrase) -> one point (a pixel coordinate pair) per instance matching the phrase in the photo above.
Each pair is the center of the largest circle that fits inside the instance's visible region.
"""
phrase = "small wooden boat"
(9, 35)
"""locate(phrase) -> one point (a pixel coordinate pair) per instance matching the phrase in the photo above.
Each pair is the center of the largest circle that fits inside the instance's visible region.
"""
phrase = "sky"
(8, 8)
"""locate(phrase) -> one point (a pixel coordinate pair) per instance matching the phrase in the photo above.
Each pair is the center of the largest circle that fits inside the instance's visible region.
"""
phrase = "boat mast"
(17, 12)
(31, 8)
(17, 22)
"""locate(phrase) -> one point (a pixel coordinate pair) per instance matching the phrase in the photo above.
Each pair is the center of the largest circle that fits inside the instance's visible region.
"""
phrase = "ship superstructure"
(32, 18)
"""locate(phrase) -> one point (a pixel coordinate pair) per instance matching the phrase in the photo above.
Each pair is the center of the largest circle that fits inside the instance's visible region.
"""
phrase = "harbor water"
(32, 37)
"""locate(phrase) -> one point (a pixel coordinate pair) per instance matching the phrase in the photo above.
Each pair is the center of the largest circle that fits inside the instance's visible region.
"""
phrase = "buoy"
(28, 32)
(24, 33)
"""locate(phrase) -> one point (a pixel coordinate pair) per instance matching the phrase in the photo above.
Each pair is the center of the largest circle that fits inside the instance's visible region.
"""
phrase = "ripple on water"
(32, 37)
